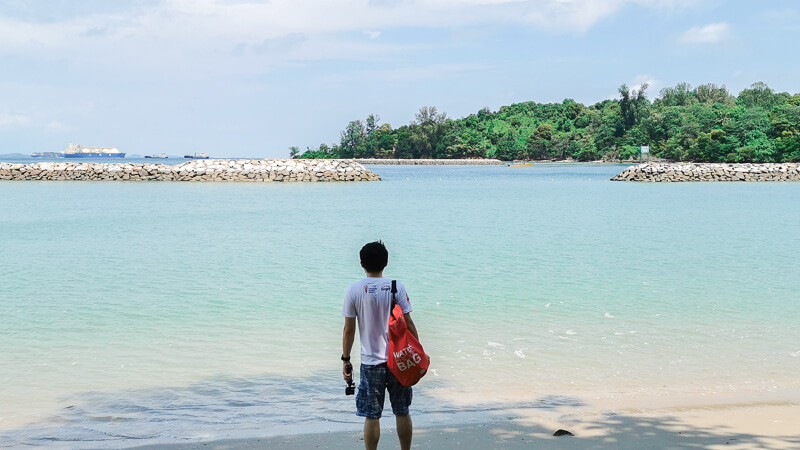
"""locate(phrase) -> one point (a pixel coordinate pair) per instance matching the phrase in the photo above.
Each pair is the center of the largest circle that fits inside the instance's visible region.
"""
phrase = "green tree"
(709, 147)
(607, 126)
(354, 139)
(427, 129)
(680, 95)
(538, 143)
(706, 123)
(382, 141)
(404, 146)
(506, 147)
(711, 93)
(322, 152)
(785, 131)
(372, 123)
(633, 105)
(759, 95)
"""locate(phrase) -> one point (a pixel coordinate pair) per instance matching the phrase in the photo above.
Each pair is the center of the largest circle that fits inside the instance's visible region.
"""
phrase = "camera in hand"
(351, 387)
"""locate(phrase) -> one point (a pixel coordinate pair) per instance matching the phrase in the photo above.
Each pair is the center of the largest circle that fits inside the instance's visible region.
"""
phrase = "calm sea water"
(138, 313)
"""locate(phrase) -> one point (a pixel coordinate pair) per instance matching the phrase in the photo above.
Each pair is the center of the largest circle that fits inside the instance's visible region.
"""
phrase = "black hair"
(374, 257)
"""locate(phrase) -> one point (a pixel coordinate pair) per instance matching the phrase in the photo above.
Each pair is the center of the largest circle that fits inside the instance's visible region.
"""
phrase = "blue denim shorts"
(375, 381)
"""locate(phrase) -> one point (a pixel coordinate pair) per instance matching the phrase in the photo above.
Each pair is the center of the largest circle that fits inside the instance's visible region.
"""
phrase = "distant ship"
(79, 151)
(47, 155)
(163, 156)
(201, 155)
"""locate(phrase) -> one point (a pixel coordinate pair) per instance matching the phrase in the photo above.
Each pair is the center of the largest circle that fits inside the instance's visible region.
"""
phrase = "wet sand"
(747, 426)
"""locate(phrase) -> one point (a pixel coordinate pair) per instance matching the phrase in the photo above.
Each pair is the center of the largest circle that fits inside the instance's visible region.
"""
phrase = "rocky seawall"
(266, 170)
(431, 162)
(682, 172)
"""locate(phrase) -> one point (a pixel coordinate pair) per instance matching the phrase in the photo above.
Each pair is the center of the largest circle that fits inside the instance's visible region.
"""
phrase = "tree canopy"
(703, 124)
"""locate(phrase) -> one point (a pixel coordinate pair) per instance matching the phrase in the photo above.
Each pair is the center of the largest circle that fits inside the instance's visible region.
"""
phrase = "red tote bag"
(407, 359)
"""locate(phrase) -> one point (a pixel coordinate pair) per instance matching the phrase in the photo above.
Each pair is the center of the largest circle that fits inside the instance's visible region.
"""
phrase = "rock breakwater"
(431, 162)
(683, 172)
(279, 170)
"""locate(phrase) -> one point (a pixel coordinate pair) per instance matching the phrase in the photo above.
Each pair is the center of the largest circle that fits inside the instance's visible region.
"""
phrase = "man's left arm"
(348, 337)
(412, 327)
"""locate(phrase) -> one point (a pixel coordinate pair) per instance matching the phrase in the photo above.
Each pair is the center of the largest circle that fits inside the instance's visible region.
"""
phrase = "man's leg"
(372, 433)
(401, 397)
(404, 430)
(369, 402)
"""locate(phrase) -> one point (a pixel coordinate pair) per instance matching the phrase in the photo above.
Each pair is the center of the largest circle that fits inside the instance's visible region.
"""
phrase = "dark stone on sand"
(563, 433)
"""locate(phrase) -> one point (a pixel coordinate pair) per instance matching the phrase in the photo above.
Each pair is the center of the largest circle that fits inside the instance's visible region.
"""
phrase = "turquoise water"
(135, 313)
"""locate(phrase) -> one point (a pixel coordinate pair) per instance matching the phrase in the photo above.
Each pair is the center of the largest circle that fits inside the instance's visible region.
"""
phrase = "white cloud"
(787, 19)
(784, 15)
(708, 34)
(14, 120)
(640, 80)
(224, 22)
(58, 126)
(636, 84)
(15, 34)
(198, 38)
(404, 74)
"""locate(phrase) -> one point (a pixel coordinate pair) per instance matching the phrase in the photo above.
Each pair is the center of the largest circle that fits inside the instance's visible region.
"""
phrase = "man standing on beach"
(369, 302)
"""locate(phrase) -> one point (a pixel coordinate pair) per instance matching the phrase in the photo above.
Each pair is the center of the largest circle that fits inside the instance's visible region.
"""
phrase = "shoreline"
(476, 162)
(428, 162)
(746, 415)
(750, 425)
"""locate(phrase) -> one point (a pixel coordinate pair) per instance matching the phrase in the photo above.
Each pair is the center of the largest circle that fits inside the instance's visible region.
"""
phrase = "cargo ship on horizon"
(79, 151)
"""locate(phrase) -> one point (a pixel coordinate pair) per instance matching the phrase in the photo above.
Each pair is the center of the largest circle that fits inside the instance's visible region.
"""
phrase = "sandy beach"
(744, 426)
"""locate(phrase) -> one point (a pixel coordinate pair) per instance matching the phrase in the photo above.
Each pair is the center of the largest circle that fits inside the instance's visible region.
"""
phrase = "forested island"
(702, 124)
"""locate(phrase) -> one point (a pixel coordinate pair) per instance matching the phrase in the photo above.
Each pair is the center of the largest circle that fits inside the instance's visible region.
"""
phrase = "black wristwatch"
(345, 359)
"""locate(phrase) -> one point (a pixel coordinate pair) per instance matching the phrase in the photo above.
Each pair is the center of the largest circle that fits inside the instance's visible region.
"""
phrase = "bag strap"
(394, 299)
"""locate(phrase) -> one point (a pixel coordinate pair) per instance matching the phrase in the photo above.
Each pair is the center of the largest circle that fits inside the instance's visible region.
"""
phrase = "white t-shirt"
(369, 301)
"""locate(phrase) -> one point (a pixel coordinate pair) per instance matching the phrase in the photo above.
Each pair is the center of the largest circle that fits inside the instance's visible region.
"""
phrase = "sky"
(250, 78)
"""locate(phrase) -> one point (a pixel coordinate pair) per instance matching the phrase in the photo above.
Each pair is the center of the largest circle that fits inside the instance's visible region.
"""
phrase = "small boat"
(163, 156)
(201, 155)
(520, 165)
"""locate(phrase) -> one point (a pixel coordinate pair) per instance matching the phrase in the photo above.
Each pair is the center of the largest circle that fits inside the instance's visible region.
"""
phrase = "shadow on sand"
(608, 432)
(275, 412)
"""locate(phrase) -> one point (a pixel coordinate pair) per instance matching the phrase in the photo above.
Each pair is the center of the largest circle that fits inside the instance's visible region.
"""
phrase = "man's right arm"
(348, 336)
